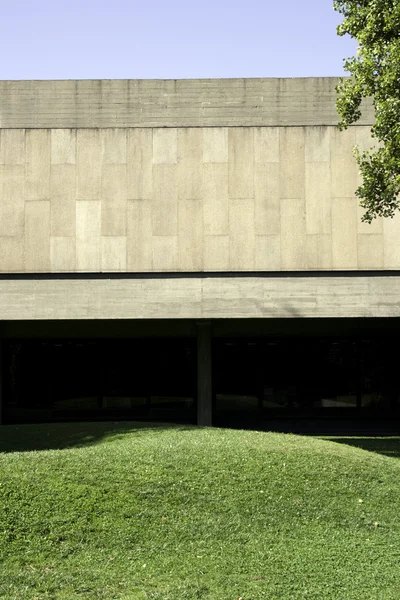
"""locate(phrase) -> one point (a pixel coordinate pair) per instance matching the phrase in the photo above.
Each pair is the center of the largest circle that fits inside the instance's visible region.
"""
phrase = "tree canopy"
(374, 73)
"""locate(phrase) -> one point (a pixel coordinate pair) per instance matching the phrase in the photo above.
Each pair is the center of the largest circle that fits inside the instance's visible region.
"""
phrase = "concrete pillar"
(204, 375)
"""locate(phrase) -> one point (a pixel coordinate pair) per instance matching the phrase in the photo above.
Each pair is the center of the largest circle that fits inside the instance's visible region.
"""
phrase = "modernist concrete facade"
(194, 199)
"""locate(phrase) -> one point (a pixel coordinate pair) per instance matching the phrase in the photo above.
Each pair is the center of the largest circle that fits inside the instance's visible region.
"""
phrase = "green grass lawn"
(120, 511)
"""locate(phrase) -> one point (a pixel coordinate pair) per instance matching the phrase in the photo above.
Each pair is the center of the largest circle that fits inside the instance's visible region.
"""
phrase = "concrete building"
(191, 250)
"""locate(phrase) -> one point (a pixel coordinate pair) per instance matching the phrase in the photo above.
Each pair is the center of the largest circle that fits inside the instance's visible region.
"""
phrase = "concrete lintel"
(200, 298)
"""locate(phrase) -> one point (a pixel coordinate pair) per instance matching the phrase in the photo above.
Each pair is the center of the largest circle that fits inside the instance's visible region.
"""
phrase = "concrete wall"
(186, 176)
(186, 199)
(170, 103)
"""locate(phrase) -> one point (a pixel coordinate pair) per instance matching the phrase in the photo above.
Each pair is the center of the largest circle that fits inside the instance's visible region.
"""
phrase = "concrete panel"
(140, 164)
(12, 206)
(293, 235)
(343, 165)
(89, 150)
(370, 251)
(364, 139)
(318, 144)
(215, 149)
(241, 235)
(190, 149)
(215, 195)
(139, 242)
(37, 165)
(318, 198)
(113, 220)
(375, 227)
(267, 200)
(268, 252)
(291, 149)
(177, 103)
(241, 163)
(113, 254)
(164, 215)
(190, 235)
(88, 236)
(344, 233)
(266, 145)
(216, 253)
(391, 242)
(113, 200)
(62, 254)
(114, 146)
(12, 146)
(62, 200)
(165, 253)
(37, 237)
(325, 252)
(165, 146)
(312, 251)
(319, 252)
(63, 146)
(12, 254)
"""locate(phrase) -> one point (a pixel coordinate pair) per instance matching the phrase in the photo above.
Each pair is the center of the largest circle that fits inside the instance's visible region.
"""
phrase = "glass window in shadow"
(237, 383)
(380, 386)
(336, 377)
(27, 377)
(172, 380)
(75, 377)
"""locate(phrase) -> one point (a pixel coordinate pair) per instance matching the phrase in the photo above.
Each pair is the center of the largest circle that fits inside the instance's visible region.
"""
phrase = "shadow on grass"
(388, 446)
(58, 436)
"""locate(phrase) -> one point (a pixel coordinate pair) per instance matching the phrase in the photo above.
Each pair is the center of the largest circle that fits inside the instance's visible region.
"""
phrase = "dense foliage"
(374, 73)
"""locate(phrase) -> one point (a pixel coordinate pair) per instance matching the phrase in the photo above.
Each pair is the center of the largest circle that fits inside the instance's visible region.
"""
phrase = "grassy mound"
(118, 511)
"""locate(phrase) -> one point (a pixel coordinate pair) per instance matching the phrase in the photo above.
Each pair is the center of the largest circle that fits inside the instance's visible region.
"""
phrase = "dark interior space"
(138, 379)
(285, 375)
(305, 379)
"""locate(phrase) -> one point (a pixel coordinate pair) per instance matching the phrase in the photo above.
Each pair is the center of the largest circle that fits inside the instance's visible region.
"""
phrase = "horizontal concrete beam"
(170, 103)
(200, 298)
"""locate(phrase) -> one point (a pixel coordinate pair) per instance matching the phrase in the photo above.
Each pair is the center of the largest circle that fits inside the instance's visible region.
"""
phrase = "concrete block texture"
(63, 146)
(37, 237)
(62, 254)
(12, 205)
(63, 200)
(12, 146)
(88, 236)
(187, 199)
(139, 236)
(37, 165)
(89, 164)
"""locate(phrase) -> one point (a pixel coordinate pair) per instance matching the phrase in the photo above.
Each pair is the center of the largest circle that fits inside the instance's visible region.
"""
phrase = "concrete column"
(204, 375)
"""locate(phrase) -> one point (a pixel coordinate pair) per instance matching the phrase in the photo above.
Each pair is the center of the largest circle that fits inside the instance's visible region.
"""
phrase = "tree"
(374, 73)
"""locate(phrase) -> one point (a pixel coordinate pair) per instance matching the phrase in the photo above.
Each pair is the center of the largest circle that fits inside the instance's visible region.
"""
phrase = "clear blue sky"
(172, 39)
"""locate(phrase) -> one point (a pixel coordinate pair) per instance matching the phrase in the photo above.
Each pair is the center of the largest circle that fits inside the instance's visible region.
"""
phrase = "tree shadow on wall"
(59, 436)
